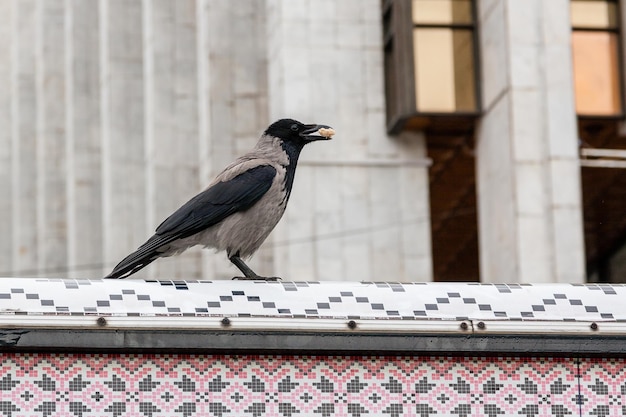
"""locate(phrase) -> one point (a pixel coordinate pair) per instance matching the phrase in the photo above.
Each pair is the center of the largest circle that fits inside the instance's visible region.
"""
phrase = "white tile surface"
(27, 298)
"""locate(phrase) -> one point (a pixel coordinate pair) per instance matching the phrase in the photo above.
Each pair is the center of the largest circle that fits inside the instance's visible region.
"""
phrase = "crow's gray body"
(239, 209)
(243, 232)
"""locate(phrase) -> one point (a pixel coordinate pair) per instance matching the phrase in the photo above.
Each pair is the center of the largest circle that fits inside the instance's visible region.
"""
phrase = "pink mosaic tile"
(603, 387)
(200, 385)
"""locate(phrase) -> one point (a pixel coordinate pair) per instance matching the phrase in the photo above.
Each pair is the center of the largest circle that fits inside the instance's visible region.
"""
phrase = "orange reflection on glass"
(444, 70)
(442, 11)
(596, 76)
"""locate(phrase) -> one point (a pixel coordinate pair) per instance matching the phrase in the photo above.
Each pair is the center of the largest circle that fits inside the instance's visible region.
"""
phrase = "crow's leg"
(247, 271)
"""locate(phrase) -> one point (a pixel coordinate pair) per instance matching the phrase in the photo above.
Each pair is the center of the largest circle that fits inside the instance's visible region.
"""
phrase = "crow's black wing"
(201, 212)
(218, 202)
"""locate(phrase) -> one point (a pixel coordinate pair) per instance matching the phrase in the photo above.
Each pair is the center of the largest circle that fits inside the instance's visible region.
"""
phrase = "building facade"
(460, 127)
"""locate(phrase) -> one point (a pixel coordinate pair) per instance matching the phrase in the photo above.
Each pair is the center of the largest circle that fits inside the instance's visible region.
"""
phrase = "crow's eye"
(294, 127)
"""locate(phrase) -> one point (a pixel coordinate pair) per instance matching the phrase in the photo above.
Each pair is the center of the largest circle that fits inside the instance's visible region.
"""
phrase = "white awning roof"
(313, 306)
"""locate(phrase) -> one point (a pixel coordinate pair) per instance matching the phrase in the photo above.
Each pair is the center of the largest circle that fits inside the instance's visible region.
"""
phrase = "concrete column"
(171, 123)
(6, 220)
(51, 137)
(359, 209)
(24, 168)
(84, 147)
(122, 127)
(528, 172)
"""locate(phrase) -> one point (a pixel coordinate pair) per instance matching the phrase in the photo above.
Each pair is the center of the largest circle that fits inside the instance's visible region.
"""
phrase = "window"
(443, 44)
(431, 71)
(598, 82)
(595, 51)
(430, 61)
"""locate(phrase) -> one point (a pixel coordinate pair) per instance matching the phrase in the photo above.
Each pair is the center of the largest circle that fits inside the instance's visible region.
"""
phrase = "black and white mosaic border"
(303, 300)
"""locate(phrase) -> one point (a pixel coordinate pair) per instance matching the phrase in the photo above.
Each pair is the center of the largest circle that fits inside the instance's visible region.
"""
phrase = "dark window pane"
(617, 265)
(391, 84)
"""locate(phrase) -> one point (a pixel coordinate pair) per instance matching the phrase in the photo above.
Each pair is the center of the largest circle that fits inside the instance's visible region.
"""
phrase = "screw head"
(481, 325)
(352, 324)
(594, 326)
(464, 326)
(225, 322)
(101, 321)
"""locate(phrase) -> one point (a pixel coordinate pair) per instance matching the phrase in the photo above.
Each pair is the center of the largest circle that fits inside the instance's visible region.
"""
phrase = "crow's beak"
(317, 132)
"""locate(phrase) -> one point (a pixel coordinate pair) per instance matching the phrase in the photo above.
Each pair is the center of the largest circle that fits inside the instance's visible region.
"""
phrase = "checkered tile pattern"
(603, 387)
(367, 300)
(192, 385)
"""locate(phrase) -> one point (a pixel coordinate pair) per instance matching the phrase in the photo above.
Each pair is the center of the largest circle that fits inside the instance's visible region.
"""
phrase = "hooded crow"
(239, 209)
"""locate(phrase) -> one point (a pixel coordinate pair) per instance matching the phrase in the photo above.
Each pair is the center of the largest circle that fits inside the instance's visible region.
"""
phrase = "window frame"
(621, 51)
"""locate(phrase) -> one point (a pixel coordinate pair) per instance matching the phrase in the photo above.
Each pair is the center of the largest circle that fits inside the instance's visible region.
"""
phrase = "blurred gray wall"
(115, 112)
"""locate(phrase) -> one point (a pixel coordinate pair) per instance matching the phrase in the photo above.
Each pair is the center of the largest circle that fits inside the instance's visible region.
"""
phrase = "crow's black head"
(296, 133)
(293, 136)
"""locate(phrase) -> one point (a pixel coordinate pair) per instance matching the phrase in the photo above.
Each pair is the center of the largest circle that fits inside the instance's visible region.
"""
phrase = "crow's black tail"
(139, 259)
(124, 270)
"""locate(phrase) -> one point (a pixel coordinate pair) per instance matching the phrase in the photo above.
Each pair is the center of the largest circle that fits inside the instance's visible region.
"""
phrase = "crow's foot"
(250, 275)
